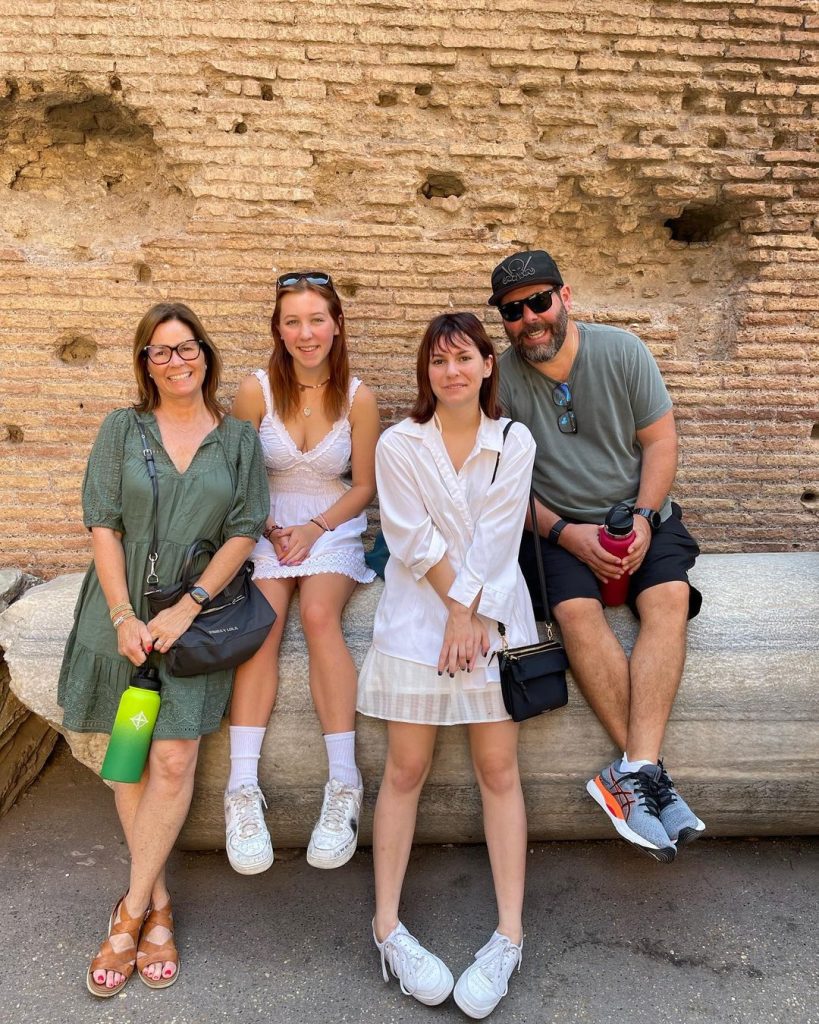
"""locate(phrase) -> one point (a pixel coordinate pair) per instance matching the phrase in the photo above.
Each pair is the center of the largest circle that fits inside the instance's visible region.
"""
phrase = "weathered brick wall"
(664, 152)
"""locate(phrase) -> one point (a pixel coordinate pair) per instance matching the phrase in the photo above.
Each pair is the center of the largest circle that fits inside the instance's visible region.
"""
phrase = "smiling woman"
(212, 487)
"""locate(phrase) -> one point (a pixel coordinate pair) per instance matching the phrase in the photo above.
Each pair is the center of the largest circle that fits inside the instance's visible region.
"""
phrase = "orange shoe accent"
(614, 807)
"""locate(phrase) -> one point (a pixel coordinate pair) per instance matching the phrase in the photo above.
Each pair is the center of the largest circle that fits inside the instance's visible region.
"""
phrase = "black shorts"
(670, 555)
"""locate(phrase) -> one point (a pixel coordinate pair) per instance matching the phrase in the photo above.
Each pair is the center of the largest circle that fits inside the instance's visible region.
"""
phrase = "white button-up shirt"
(428, 511)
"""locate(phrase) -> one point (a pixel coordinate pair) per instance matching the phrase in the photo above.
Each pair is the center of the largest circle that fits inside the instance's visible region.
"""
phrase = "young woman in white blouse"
(453, 496)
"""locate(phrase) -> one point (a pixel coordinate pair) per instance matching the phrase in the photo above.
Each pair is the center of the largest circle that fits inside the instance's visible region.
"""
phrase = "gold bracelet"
(123, 618)
(124, 606)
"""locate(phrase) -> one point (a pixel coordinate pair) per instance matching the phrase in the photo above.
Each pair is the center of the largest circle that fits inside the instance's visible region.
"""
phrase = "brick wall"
(664, 152)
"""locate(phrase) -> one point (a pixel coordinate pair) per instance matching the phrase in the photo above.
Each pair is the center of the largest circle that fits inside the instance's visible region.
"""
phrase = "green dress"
(222, 494)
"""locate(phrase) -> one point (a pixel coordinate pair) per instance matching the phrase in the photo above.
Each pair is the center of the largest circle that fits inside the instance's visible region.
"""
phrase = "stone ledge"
(742, 743)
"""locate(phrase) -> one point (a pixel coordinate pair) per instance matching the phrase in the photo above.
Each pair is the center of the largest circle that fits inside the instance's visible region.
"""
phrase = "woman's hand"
(167, 627)
(465, 637)
(295, 542)
(134, 640)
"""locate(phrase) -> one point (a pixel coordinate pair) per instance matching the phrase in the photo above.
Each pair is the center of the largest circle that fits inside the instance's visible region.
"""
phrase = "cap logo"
(516, 270)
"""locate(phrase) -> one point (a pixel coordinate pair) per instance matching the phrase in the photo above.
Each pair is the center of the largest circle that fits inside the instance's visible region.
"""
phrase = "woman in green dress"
(212, 485)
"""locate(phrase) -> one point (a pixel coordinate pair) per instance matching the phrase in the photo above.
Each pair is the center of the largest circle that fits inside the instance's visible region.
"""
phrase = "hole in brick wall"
(82, 405)
(692, 99)
(814, 432)
(14, 433)
(267, 91)
(531, 89)
(423, 89)
(716, 138)
(733, 103)
(349, 289)
(143, 273)
(78, 349)
(700, 224)
(386, 99)
(784, 140)
(115, 83)
(240, 128)
(810, 499)
(442, 184)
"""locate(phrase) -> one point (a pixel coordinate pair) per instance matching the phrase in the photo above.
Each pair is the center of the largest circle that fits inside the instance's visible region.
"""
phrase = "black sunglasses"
(316, 277)
(540, 302)
(562, 397)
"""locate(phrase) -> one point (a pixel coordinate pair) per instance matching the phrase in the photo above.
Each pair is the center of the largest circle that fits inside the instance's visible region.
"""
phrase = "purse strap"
(541, 573)
(151, 578)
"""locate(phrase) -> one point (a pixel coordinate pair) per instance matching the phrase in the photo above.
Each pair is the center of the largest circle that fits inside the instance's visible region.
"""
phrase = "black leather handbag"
(231, 626)
(533, 678)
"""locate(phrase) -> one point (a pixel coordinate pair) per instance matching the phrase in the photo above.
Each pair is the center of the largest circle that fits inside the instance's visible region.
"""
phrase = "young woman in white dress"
(453, 532)
(313, 421)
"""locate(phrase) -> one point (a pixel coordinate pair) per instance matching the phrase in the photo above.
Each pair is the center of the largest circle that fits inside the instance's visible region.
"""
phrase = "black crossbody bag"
(231, 626)
(533, 678)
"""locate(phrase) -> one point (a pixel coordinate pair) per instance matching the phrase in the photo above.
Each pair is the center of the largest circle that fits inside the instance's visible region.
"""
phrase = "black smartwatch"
(200, 595)
(652, 517)
(556, 531)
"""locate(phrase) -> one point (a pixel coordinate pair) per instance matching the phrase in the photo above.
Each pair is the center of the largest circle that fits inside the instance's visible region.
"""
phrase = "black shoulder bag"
(533, 678)
(231, 626)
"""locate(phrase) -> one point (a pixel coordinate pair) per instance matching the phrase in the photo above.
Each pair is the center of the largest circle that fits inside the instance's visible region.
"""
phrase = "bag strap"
(151, 578)
(497, 460)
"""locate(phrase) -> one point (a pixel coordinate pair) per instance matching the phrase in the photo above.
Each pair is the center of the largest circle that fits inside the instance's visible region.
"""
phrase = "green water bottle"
(133, 728)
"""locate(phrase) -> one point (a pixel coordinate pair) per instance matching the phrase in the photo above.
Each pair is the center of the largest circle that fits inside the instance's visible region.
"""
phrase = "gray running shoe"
(679, 821)
(631, 800)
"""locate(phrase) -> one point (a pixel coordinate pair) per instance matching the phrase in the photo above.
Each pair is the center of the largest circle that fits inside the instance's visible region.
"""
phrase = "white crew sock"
(633, 766)
(245, 748)
(341, 755)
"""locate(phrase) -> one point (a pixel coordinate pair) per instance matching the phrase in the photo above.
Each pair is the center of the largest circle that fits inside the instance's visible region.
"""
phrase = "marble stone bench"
(742, 743)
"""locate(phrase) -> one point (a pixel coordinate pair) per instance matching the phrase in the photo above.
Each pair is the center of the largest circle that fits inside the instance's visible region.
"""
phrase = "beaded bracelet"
(266, 533)
(124, 606)
(320, 525)
(123, 618)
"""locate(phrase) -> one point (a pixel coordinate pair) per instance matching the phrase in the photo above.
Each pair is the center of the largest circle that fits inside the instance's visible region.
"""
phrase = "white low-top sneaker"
(485, 982)
(420, 973)
(335, 836)
(247, 840)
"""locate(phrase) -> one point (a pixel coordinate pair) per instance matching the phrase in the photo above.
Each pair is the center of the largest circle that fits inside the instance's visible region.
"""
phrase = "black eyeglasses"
(540, 302)
(161, 354)
(316, 277)
(562, 397)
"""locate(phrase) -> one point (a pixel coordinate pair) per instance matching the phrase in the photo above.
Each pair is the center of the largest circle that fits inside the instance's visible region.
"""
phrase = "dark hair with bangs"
(283, 382)
(445, 331)
(161, 313)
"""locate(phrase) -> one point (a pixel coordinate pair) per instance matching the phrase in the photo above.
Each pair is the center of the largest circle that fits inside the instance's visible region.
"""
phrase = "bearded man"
(595, 401)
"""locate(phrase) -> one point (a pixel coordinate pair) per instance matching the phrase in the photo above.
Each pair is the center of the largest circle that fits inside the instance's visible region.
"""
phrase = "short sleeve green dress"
(222, 494)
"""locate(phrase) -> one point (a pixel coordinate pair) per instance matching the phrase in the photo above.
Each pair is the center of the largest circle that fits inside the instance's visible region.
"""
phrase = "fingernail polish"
(440, 673)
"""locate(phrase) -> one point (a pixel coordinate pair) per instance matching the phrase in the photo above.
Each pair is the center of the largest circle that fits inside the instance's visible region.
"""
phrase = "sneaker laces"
(665, 788)
(647, 790)
(247, 811)
(405, 956)
(498, 959)
(334, 813)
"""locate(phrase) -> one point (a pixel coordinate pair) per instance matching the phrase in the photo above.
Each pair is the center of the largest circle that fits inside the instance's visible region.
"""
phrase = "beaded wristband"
(123, 607)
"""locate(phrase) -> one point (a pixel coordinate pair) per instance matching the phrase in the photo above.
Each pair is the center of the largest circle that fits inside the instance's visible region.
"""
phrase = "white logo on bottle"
(139, 720)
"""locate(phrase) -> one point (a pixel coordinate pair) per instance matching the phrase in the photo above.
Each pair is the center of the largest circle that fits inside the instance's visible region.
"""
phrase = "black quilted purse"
(231, 626)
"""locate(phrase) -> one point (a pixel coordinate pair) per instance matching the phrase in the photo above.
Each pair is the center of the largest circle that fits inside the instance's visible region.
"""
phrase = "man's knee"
(665, 604)
(579, 615)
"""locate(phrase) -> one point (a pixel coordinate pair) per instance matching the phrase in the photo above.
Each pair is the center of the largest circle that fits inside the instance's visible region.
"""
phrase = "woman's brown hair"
(161, 313)
(445, 331)
(283, 382)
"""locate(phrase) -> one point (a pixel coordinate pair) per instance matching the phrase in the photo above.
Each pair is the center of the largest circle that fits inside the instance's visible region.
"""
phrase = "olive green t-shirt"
(616, 390)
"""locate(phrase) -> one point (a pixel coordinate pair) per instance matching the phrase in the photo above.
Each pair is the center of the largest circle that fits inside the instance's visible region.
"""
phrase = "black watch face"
(649, 514)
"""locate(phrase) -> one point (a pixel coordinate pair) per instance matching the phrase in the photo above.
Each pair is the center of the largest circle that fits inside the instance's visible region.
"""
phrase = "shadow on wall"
(80, 173)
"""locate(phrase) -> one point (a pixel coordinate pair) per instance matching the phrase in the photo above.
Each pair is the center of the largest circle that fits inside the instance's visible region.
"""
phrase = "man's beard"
(546, 352)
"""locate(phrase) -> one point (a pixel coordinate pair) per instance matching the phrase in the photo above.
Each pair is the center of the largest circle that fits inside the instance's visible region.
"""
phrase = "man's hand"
(637, 552)
(581, 540)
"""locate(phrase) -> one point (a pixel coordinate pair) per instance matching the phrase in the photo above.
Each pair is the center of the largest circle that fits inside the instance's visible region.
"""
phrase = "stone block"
(742, 741)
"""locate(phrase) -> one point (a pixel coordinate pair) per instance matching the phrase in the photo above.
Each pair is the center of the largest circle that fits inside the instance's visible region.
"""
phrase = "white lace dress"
(303, 484)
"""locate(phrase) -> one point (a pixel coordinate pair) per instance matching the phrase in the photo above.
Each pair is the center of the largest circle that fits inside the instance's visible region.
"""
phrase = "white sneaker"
(247, 840)
(335, 836)
(420, 973)
(483, 984)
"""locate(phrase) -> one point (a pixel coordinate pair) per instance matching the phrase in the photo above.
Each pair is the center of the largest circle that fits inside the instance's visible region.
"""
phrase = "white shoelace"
(335, 812)
(247, 811)
(404, 953)
(498, 959)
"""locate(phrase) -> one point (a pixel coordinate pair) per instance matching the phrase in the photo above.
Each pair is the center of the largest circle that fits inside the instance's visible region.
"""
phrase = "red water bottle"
(616, 536)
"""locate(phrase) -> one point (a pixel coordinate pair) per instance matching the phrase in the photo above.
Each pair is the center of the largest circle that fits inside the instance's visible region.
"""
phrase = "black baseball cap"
(529, 267)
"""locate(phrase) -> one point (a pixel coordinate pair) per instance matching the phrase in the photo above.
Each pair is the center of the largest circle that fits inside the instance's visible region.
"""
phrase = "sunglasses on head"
(540, 302)
(316, 277)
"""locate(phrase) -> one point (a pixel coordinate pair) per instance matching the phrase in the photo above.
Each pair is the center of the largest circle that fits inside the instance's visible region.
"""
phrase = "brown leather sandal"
(150, 952)
(108, 959)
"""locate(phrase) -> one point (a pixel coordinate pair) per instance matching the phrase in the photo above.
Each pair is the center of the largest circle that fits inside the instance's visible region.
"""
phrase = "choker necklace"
(312, 387)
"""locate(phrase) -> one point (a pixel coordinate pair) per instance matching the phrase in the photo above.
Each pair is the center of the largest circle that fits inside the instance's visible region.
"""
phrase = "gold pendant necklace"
(307, 411)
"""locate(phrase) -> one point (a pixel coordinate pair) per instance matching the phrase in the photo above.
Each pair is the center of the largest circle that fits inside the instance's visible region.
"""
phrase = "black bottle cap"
(146, 678)
(620, 520)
